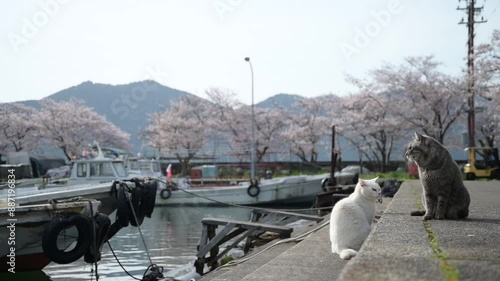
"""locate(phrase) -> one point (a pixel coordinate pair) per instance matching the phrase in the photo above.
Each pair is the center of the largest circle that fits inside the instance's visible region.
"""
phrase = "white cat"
(352, 217)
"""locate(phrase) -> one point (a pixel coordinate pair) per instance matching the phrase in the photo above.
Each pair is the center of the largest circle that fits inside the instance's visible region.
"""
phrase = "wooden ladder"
(210, 240)
(261, 220)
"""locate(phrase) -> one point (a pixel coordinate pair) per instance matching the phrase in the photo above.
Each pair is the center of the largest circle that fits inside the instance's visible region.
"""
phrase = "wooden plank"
(254, 217)
(204, 237)
(214, 242)
(345, 189)
(249, 225)
(248, 233)
(288, 214)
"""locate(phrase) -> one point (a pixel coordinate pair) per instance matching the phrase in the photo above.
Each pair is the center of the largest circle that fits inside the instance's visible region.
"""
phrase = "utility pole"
(471, 12)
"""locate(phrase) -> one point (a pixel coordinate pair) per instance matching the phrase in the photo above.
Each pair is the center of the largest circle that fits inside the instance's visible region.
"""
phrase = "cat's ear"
(375, 179)
(417, 137)
(362, 183)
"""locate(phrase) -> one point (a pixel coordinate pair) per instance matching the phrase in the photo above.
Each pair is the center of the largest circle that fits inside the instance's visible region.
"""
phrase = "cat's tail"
(347, 254)
(417, 213)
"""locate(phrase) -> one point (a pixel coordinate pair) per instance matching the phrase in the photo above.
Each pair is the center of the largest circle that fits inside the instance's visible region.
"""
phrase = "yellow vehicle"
(482, 162)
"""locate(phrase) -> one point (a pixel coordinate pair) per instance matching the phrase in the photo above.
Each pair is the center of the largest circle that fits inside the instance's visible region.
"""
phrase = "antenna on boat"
(100, 155)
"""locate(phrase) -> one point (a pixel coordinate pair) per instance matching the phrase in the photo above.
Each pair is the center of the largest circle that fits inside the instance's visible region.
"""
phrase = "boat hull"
(25, 233)
(288, 190)
(101, 192)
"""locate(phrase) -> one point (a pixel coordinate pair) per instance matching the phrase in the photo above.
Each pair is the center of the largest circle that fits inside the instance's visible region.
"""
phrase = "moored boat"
(97, 170)
(286, 190)
(144, 167)
(38, 224)
(22, 228)
(102, 192)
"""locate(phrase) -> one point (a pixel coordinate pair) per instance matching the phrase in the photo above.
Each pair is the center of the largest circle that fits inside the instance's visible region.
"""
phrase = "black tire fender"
(152, 188)
(323, 184)
(102, 224)
(60, 223)
(165, 193)
(122, 206)
(253, 190)
(138, 208)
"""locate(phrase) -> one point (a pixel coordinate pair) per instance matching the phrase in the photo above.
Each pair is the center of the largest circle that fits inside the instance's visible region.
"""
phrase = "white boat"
(24, 230)
(96, 170)
(287, 190)
(101, 191)
(144, 167)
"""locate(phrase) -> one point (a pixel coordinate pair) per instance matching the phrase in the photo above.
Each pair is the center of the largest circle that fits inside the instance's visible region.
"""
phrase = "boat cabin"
(98, 170)
(144, 167)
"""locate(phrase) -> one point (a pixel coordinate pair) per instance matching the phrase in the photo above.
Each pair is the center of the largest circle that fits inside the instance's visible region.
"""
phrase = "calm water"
(171, 235)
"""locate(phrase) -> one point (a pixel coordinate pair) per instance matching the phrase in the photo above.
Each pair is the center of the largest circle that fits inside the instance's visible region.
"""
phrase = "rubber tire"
(495, 175)
(83, 225)
(470, 176)
(323, 184)
(103, 223)
(122, 207)
(326, 181)
(165, 193)
(152, 188)
(138, 206)
(253, 194)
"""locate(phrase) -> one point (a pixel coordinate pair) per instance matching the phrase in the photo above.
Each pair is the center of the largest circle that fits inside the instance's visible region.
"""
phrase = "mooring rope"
(116, 258)
(94, 239)
(153, 267)
(138, 226)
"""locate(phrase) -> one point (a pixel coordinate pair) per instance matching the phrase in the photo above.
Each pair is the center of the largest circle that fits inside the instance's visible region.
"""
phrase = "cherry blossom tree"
(70, 126)
(487, 87)
(181, 130)
(17, 131)
(228, 123)
(420, 95)
(269, 124)
(369, 127)
(234, 120)
(307, 124)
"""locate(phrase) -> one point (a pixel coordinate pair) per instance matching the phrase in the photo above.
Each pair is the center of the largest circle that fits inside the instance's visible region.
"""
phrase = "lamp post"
(252, 149)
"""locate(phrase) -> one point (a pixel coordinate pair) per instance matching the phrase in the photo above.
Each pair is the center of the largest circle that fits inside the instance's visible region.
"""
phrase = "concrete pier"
(400, 247)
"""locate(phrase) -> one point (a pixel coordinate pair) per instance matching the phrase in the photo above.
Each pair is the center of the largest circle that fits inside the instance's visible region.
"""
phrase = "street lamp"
(252, 165)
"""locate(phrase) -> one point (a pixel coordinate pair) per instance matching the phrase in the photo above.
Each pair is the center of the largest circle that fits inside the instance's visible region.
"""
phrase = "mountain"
(127, 106)
(281, 100)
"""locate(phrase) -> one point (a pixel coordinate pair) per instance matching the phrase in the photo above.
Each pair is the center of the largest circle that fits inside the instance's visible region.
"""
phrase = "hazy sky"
(297, 47)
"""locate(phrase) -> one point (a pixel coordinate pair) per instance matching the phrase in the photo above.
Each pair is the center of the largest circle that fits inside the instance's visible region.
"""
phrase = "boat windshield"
(120, 169)
(156, 167)
(145, 166)
(132, 165)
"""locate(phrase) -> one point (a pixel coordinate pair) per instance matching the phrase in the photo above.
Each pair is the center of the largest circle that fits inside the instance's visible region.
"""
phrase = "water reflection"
(171, 236)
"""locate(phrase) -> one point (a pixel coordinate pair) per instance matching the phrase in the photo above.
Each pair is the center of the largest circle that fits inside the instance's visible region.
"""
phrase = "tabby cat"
(444, 194)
